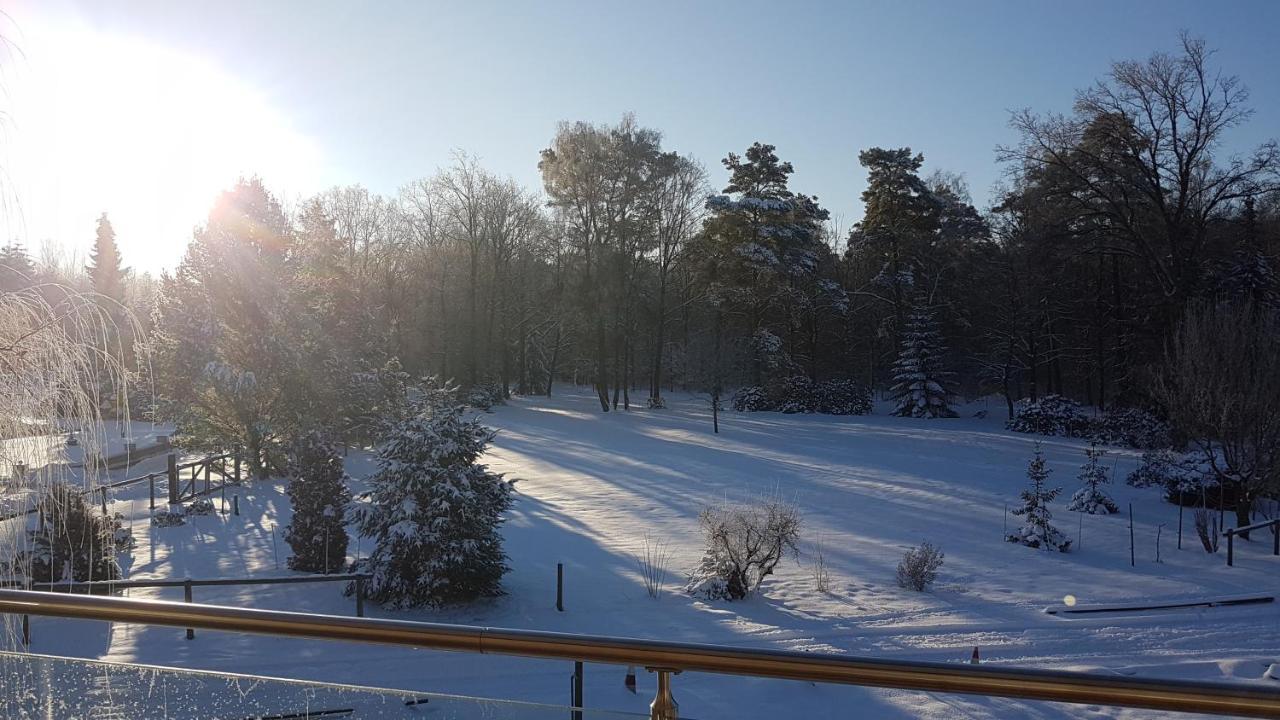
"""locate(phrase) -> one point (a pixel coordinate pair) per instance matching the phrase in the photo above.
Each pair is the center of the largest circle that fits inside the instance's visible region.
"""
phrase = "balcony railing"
(667, 659)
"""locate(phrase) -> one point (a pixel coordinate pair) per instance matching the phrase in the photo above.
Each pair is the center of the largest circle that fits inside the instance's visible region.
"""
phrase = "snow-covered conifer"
(1091, 498)
(434, 512)
(319, 495)
(1036, 530)
(920, 383)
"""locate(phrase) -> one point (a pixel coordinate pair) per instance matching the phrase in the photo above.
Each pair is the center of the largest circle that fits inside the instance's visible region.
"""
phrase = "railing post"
(173, 479)
(577, 690)
(1275, 537)
(664, 705)
(560, 587)
(1231, 547)
(186, 591)
(360, 596)
(151, 480)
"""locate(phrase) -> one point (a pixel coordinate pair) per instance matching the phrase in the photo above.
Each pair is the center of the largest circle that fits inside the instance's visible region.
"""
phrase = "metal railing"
(667, 659)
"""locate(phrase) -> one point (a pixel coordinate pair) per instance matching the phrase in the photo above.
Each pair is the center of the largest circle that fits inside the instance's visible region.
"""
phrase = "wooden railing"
(667, 659)
(1231, 533)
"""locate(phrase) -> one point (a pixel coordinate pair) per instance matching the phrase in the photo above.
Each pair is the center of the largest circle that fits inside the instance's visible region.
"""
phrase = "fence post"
(151, 480)
(173, 479)
(1179, 522)
(186, 591)
(1275, 537)
(560, 587)
(360, 596)
(1231, 547)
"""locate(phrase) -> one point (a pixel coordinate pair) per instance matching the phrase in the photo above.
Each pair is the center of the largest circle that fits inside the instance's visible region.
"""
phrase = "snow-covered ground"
(591, 486)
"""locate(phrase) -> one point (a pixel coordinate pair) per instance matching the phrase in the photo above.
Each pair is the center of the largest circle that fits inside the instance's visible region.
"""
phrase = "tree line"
(635, 270)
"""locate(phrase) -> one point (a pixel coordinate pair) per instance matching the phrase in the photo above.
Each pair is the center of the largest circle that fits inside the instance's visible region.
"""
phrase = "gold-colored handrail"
(1029, 684)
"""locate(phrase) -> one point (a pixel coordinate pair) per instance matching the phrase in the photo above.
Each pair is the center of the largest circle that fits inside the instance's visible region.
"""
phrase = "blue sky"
(384, 91)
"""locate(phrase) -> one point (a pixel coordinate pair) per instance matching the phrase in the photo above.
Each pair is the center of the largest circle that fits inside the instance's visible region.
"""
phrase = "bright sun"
(147, 134)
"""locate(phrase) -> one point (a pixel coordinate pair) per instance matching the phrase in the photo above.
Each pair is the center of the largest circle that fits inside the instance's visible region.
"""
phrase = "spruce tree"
(104, 268)
(319, 495)
(1091, 498)
(434, 512)
(17, 272)
(920, 383)
(1036, 530)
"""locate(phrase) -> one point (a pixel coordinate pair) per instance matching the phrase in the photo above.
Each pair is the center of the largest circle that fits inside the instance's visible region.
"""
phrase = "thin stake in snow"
(1133, 561)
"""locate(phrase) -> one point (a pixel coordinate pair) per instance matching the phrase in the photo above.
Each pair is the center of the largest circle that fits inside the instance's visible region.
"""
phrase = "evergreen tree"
(1091, 498)
(920, 384)
(434, 512)
(104, 268)
(319, 495)
(1036, 530)
(17, 272)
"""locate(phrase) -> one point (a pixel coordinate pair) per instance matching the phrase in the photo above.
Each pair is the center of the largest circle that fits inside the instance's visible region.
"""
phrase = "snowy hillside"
(590, 487)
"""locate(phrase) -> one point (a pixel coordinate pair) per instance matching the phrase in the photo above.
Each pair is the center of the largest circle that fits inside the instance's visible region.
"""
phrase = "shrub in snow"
(1132, 427)
(72, 542)
(168, 518)
(1178, 473)
(122, 536)
(202, 506)
(434, 513)
(485, 394)
(752, 398)
(794, 394)
(319, 495)
(1036, 530)
(799, 394)
(1091, 498)
(920, 383)
(657, 403)
(842, 397)
(919, 567)
(744, 543)
(1207, 529)
(1050, 415)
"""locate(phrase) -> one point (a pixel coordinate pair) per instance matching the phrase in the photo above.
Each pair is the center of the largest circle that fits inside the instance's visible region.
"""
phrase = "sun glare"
(149, 134)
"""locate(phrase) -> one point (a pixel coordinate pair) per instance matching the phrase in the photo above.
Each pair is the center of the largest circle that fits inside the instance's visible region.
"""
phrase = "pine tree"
(1036, 530)
(434, 512)
(104, 268)
(319, 495)
(17, 272)
(1091, 498)
(920, 383)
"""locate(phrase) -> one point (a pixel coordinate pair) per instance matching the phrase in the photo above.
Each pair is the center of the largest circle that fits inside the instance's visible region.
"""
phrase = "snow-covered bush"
(1036, 530)
(201, 506)
(485, 394)
(842, 397)
(1050, 415)
(919, 567)
(319, 495)
(657, 403)
(1132, 427)
(168, 518)
(1091, 498)
(434, 513)
(1178, 473)
(798, 394)
(752, 398)
(744, 543)
(72, 542)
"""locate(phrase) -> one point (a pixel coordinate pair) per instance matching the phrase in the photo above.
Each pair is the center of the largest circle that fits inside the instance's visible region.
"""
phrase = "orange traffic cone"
(631, 679)
(976, 657)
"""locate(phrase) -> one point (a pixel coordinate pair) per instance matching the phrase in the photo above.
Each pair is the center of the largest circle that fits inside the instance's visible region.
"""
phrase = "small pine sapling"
(1036, 530)
(1091, 498)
